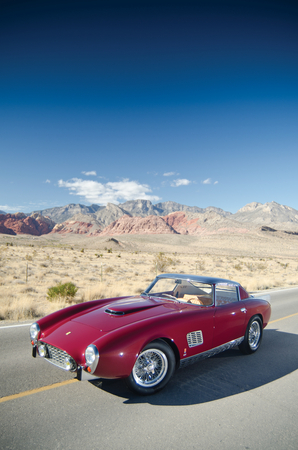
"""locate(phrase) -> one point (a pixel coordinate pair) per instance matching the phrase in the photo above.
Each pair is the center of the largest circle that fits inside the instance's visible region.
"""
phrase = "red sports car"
(176, 321)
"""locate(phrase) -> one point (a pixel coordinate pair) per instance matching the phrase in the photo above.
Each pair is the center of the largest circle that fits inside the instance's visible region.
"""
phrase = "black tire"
(153, 369)
(253, 336)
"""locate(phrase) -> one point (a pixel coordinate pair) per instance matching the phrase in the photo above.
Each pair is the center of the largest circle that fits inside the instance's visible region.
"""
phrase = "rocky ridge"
(19, 223)
(134, 208)
(138, 225)
(141, 217)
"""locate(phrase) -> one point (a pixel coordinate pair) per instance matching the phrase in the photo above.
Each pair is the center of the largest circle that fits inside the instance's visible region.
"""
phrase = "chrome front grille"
(194, 338)
(58, 358)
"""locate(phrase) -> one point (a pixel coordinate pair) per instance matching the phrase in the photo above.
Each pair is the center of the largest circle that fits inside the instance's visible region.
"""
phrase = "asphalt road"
(230, 401)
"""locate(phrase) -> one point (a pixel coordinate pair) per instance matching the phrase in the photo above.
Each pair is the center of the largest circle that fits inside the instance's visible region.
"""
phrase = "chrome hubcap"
(150, 368)
(254, 335)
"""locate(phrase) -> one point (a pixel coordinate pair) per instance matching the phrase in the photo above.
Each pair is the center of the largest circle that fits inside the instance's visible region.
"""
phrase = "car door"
(229, 315)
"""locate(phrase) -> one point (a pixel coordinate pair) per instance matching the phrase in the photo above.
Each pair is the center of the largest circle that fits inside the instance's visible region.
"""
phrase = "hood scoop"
(129, 307)
(114, 313)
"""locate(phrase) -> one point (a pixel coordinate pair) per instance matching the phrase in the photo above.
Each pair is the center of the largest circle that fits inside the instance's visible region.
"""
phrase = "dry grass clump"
(105, 290)
(98, 292)
(20, 309)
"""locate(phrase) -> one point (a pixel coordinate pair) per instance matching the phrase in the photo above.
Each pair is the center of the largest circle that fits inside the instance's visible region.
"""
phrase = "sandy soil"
(105, 267)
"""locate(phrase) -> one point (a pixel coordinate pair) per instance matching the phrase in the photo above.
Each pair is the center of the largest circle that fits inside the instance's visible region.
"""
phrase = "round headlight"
(34, 331)
(90, 355)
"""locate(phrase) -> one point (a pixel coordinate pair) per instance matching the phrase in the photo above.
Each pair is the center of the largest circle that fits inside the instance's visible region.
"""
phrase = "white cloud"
(180, 182)
(112, 192)
(11, 208)
(91, 173)
(169, 174)
(48, 181)
(209, 181)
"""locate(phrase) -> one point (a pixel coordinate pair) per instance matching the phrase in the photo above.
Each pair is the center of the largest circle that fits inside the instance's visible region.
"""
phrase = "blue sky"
(194, 102)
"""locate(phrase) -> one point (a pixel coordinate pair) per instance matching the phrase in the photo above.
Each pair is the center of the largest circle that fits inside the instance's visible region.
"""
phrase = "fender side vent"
(194, 338)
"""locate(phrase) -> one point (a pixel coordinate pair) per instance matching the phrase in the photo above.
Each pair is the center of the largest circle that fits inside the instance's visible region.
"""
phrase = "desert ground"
(106, 267)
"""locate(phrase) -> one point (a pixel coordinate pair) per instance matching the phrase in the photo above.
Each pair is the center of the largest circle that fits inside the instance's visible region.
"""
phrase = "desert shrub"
(161, 262)
(200, 265)
(66, 291)
(29, 289)
(139, 290)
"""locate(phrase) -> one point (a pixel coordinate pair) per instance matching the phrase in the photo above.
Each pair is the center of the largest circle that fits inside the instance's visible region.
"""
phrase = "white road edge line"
(16, 326)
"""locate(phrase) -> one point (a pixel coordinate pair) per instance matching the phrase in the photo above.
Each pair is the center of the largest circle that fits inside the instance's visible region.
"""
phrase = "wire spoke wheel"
(254, 334)
(150, 368)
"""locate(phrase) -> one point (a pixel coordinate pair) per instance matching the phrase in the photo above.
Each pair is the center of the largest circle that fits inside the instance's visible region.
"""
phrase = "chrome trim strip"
(214, 351)
(57, 365)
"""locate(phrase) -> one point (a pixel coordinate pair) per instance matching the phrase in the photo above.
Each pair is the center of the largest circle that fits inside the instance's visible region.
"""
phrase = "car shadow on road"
(223, 375)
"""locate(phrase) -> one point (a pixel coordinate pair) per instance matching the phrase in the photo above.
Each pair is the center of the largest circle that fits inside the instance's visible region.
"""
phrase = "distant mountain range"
(134, 208)
(142, 217)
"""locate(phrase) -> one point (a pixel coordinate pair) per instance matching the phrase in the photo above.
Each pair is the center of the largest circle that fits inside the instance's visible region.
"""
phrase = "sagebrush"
(66, 291)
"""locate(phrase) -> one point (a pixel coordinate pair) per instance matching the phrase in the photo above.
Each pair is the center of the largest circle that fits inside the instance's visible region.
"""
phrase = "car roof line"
(199, 279)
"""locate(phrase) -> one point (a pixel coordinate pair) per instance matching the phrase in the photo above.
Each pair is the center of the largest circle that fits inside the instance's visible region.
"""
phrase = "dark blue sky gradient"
(202, 89)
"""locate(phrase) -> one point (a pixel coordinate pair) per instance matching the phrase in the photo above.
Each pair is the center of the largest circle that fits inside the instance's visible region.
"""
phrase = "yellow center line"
(282, 318)
(36, 391)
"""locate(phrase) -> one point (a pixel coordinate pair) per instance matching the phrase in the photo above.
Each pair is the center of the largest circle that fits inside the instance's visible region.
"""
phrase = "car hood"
(74, 335)
(122, 312)
(72, 338)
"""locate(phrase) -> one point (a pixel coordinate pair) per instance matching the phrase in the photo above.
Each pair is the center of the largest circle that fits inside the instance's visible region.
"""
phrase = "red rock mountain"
(180, 222)
(138, 225)
(76, 227)
(19, 223)
(175, 223)
(141, 217)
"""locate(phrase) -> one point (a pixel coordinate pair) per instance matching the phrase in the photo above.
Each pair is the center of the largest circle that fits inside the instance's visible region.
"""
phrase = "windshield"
(182, 290)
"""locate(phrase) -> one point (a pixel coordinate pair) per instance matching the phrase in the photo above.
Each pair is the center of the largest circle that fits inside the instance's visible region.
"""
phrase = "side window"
(225, 293)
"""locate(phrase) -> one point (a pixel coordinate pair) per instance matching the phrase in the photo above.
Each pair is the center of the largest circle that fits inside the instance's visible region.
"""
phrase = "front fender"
(118, 352)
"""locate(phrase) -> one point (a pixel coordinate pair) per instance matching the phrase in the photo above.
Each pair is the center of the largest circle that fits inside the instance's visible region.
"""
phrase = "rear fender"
(260, 308)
